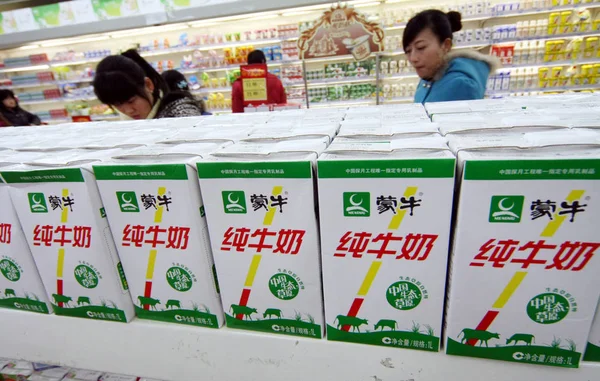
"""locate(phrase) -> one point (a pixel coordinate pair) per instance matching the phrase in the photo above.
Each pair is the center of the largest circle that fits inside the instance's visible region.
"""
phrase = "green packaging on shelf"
(61, 213)
(260, 204)
(523, 282)
(385, 212)
(154, 207)
(14, 374)
(20, 284)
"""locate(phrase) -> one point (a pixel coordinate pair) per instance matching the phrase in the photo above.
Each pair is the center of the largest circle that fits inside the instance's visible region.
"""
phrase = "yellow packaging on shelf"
(590, 47)
(553, 23)
(566, 26)
(549, 51)
(559, 50)
(573, 50)
(596, 73)
(587, 73)
(543, 75)
(555, 75)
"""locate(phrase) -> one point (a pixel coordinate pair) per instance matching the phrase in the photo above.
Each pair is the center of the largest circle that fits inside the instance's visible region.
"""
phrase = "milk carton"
(65, 225)
(83, 375)
(523, 282)
(385, 212)
(260, 205)
(152, 199)
(592, 351)
(385, 130)
(20, 284)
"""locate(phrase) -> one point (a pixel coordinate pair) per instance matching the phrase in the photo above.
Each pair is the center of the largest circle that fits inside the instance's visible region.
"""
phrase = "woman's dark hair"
(120, 78)
(175, 80)
(441, 24)
(256, 57)
(5, 94)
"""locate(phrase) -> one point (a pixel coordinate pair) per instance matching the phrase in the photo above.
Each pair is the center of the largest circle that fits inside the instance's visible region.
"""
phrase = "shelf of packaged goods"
(579, 62)
(233, 44)
(53, 121)
(544, 90)
(475, 45)
(175, 352)
(57, 100)
(400, 76)
(397, 100)
(46, 84)
(516, 13)
(105, 118)
(210, 90)
(237, 66)
(334, 81)
(220, 111)
(546, 38)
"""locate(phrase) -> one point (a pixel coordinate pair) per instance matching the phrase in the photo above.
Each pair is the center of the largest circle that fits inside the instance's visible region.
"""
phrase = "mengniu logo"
(506, 209)
(357, 204)
(37, 203)
(128, 202)
(234, 202)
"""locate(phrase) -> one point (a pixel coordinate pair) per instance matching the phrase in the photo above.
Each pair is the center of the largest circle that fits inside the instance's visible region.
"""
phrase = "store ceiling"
(9, 5)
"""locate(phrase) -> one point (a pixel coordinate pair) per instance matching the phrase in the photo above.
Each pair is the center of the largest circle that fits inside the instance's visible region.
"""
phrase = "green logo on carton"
(404, 296)
(10, 270)
(506, 209)
(234, 202)
(86, 276)
(37, 203)
(357, 204)
(128, 202)
(284, 286)
(548, 308)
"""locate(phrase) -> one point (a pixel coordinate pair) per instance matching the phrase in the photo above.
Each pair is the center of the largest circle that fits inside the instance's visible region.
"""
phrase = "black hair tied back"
(455, 21)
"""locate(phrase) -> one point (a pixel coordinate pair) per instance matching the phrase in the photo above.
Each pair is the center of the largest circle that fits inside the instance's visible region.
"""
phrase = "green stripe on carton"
(141, 172)
(408, 168)
(565, 169)
(255, 170)
(62, 175)
(592, 353)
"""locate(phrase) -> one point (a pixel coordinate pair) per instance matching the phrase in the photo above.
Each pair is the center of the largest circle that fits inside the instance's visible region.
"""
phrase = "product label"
(384, 249)
(20, 284)
(60, 213)
(264, 235)
(524, 238)
(157, 218)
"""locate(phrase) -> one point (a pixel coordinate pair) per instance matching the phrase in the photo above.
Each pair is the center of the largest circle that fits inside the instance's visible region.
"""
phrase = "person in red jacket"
(275, 90)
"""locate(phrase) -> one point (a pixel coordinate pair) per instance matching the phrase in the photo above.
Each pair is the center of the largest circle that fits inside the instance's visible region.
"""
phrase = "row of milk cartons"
(259, 199)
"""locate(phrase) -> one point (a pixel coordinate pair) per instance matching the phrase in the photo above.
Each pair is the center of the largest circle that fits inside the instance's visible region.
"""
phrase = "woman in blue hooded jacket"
(446, 75)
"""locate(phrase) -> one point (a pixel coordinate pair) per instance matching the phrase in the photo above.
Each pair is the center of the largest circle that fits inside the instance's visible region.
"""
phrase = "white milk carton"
(155, 210)
(260, 204)
(380, 130)
(592, 351)
(83, 375)
(65, 224)
(385, 212)
(20, 284)
(524, 279)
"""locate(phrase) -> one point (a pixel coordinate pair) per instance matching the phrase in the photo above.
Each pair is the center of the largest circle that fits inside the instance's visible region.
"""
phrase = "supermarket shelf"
(519, 13)
(220, 111)
(47, 84)
(56, 120)
(545, 90)
(546, 38)
(105, 118)
(400, 76)
(553, 63)
(181, 353)
(57, 100)
(397, 100)
(237, 66)
(210, 90)
(476, 46)
(76, 62)
(329, 82)
(346, 103)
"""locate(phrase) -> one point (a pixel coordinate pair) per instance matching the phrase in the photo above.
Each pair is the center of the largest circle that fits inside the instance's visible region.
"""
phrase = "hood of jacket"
(175, 105)
(470, 63)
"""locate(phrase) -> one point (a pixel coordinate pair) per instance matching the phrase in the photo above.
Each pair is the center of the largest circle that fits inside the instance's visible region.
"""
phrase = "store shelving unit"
(379, 79)
(181, 353)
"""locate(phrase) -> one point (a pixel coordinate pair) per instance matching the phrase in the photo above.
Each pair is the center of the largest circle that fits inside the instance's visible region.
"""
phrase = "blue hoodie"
(464, 77)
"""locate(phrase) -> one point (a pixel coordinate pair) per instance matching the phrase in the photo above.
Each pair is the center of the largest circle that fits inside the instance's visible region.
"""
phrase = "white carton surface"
(155, 210)
(385, 212)
(65, 224)
(20, 284)
(523, 281)
(260, 204)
